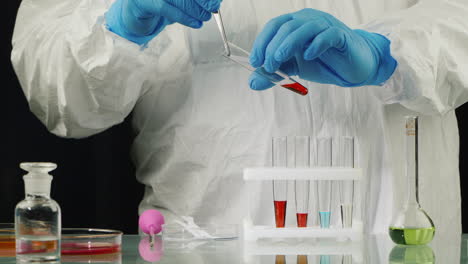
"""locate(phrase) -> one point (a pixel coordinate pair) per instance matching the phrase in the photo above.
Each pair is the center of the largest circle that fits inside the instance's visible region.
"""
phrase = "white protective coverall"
(198, 124)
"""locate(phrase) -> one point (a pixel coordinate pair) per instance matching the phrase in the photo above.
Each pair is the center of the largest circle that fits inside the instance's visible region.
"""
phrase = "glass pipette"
(219, 21)
(280, 78)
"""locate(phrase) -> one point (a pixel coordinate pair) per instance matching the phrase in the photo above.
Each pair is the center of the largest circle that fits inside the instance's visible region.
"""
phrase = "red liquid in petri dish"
(301, 220)
(7, 247)
(296, 87)
(280, 213)
(85, 249)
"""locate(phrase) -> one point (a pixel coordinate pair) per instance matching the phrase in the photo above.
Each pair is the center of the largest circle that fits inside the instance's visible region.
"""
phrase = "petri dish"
(75, 241)
(7, 240)
(176, 232)
(84, 241)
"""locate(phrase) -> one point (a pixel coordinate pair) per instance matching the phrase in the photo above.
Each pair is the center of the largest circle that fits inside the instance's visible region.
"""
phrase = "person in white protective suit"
(197, 122)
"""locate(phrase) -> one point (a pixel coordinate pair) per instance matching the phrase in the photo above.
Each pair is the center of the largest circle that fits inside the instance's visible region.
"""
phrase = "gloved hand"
(318, 47)
(141, 20)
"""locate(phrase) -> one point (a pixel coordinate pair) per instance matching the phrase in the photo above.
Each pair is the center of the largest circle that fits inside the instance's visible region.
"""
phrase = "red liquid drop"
(296, 87)
(280, 213)
(301, 220)
(84, 249)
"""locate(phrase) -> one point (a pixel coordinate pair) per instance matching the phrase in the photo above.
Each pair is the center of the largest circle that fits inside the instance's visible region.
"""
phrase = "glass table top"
(373, 249)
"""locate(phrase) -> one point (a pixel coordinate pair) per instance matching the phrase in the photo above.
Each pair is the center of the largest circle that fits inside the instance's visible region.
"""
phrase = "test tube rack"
(252, 232)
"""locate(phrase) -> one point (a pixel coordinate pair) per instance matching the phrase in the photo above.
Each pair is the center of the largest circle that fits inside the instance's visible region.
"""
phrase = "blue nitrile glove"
(318, 47)
(141, 20)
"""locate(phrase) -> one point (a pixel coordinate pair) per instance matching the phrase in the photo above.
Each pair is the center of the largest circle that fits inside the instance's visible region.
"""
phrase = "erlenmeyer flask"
(411, 225)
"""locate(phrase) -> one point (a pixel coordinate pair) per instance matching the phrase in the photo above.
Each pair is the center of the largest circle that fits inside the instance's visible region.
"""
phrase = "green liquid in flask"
(412, 236)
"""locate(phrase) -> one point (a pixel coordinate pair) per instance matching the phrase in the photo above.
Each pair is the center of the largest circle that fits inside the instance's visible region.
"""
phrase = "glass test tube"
(301, 259)
(301, 160)
(241, 57)
(347, 259)
(280, 259)
(325, 259)
(324, 187)
(280, 187)
(346, 159)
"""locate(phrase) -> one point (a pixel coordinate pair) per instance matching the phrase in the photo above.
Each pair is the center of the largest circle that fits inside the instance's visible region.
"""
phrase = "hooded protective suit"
(198, 124)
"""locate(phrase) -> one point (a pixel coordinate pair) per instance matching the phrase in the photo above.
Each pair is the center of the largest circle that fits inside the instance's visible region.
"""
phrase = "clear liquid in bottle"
(37, 217)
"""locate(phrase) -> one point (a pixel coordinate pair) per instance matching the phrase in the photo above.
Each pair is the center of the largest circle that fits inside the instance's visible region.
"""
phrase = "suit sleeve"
(430, 43)
(78, 77)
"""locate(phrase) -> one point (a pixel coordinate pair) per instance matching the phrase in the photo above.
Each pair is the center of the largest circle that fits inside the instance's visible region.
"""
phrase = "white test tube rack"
(253, 232)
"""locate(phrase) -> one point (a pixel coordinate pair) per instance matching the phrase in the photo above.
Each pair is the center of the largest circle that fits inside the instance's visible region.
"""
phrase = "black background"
(95, 182)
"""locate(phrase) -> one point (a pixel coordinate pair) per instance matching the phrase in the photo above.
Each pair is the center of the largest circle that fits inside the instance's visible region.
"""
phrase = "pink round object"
(151, 219)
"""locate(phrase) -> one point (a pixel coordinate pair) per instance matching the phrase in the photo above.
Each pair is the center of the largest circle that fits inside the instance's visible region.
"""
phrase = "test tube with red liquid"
(302, 259)
(282, 79)
(302, 160)
(280, 259)
(241, 57)
(280, 187)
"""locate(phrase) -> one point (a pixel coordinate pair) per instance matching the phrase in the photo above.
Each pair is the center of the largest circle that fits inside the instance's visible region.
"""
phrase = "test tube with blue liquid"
(324, 187)
(325, 259)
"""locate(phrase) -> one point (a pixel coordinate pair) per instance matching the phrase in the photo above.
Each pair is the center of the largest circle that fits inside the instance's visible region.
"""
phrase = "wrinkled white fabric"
(198, 124)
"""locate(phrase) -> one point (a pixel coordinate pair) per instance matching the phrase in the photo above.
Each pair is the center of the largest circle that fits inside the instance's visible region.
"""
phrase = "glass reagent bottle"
(37, 217)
